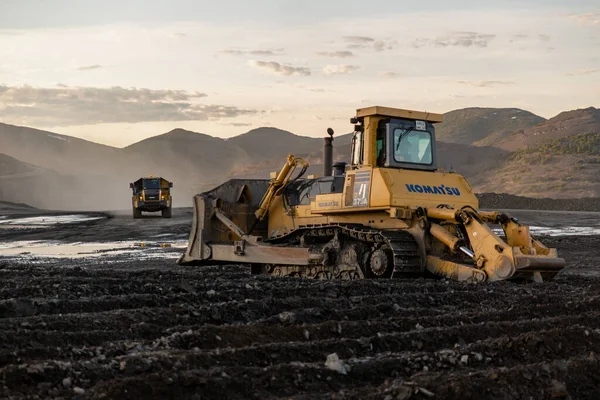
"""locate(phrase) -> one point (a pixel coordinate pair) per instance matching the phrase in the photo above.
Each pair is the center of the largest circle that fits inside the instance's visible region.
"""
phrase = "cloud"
(237, 124)
(584, 72)
(517, 37)
(336, 54)
(456, 39)
(89, 67)
(280, 69)
(591, 18)
(389, 74)
(382, 45)
(484, 84)
(339, 69)
(265, 52)
(66, 106)
(364, 42)
(358, 39)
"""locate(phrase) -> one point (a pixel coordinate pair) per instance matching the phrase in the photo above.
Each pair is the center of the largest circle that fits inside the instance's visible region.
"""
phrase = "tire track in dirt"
(150, 330)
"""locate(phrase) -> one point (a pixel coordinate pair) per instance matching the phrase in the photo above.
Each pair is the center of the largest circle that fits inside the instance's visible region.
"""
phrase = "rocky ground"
(136, 326)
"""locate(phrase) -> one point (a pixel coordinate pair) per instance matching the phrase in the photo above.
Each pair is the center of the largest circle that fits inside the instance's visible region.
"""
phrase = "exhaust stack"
(328, 154)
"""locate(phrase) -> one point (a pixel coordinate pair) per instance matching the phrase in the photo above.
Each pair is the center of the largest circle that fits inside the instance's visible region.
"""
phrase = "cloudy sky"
(117, 71)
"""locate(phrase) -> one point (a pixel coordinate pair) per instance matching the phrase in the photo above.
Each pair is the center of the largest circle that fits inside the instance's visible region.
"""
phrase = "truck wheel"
(137, 213)
(167, 212)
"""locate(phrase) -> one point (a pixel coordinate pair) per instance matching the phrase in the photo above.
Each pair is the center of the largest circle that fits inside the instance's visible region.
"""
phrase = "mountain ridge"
(196, 161)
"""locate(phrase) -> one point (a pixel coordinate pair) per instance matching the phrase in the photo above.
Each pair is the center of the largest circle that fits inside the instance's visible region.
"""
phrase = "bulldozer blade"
(238, 198)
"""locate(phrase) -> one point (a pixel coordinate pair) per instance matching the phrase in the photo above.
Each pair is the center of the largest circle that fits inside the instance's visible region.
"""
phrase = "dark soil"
(148, 329)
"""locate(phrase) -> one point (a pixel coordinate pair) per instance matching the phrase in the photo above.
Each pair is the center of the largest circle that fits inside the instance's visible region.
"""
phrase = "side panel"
(392, 187)
(426, 189)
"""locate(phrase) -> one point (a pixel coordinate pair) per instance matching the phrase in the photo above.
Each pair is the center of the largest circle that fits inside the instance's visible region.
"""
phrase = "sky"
(118, 71)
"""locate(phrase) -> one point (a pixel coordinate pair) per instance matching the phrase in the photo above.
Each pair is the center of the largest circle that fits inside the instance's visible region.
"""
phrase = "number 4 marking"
(362, 192)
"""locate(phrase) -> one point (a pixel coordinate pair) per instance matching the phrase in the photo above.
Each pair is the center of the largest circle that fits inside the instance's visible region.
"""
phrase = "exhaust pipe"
(328, 154)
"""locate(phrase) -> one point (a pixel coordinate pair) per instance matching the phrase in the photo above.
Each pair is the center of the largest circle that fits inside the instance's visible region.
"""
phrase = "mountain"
(464, 159)
(45, 188)
(483, 126)
(567, 166)
(565, 124)
(552, 158)
(181, 152)
(60, 153)
(262, 143)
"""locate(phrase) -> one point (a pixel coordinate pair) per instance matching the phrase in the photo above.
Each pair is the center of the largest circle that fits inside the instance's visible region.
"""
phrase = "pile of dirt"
(509, 201)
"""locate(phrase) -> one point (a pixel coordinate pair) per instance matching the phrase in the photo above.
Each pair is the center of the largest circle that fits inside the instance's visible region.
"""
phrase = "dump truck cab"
(151, 194)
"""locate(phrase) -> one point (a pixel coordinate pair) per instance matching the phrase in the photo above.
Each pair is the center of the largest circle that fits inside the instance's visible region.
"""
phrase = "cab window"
(412, 146)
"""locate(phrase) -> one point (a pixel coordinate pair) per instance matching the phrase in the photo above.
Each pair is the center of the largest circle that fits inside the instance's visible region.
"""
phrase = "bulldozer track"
(405, 249)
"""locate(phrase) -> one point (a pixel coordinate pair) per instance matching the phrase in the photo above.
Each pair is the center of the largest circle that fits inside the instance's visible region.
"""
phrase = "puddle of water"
(83, 250)
(560, 231)
(45, 221)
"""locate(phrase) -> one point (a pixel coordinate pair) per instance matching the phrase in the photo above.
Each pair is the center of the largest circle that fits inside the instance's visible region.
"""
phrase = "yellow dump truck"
(390, 213)
(152, 194)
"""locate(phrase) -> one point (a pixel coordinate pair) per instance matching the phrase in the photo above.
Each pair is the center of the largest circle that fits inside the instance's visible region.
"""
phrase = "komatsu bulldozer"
(390, 213)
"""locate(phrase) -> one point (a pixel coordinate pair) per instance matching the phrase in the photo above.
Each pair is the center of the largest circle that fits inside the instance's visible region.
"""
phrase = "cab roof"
(398, 113)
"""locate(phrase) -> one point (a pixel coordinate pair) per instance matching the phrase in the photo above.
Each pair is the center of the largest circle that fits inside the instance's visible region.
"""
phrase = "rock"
(464, 359)
(558, 390)
(396, 307)
(188, 288)
(78, 390)
(67, 382)
(211, 293)
(287, 317)
(419, 326)
(35, 369)
(12, 308)
(478, 356)
(335, 364)
(306, 334)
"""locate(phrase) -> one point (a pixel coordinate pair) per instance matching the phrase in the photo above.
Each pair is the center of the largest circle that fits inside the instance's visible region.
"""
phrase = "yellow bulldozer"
(390, 213)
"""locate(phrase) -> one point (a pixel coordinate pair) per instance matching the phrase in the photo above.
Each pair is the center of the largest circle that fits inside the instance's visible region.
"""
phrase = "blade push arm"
(277, 184)
(521, 254)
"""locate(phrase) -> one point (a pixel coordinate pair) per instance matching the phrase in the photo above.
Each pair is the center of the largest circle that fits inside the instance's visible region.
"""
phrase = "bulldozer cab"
(394, 138)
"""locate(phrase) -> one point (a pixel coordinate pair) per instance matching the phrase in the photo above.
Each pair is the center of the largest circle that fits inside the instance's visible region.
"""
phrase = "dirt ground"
(136, 326)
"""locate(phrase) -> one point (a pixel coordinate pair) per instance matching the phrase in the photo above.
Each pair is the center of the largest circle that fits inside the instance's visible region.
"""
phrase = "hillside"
(49, 170)
(57, 152)
(467, 160)
(565, 124)
(181, 152)
(566, 166)
(262, 143)
(44, 188)
(483, 126)
(10, 167)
